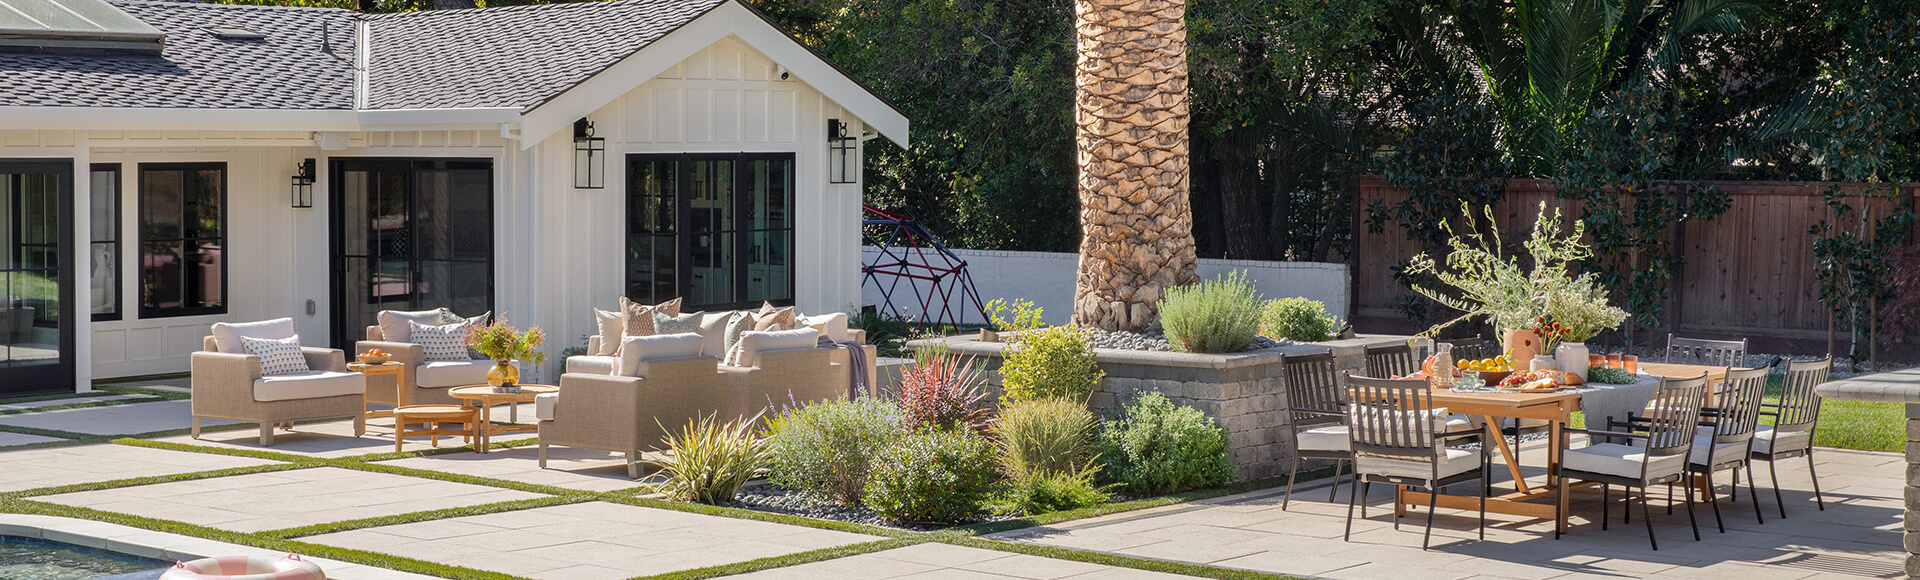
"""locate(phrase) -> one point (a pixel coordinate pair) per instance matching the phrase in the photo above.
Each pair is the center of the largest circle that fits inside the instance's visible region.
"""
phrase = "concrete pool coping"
(171, 547)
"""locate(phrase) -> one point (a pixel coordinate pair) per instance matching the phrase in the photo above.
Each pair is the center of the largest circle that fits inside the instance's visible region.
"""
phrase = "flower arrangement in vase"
(1536, 309)
(504, 344)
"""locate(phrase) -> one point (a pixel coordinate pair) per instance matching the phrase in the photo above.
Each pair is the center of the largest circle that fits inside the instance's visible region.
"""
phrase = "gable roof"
(287, 70)
(518, 56)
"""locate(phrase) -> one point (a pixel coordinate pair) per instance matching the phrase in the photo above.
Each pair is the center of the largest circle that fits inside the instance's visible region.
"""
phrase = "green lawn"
(1862, 425)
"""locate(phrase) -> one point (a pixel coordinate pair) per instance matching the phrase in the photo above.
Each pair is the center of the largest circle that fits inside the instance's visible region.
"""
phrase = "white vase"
(1542, 362)
(1573, 358)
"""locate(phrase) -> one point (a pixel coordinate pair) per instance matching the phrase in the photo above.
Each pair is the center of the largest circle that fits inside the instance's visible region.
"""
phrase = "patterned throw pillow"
(664, 323)
(771, 318)
(448, 317)
(639, 317)
(278, 356)
(443, 342)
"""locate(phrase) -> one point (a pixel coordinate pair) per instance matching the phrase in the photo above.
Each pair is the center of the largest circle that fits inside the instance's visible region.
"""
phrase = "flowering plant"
(501, 342)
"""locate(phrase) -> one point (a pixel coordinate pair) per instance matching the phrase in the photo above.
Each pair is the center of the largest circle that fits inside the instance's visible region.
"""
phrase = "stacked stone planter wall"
(1894, 387)
(1243, 391)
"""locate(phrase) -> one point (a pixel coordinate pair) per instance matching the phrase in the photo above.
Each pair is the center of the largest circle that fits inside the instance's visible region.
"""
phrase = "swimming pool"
(24, 558)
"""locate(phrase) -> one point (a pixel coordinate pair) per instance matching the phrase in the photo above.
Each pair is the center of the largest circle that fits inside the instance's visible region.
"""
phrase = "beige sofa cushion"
(226, 335)
(635, 351)
(833, 326)
(453, 373)
(713, 332)
(593, 364)
(393, 323)
(308, 385)
(611, 325)
(754, 342)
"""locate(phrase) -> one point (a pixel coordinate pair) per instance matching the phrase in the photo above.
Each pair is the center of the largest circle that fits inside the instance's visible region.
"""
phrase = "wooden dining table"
(1557, 409)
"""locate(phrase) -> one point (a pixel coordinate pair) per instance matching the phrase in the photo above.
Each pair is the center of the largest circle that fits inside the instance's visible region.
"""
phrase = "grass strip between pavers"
(423, 516)
(747, 514)
(227, 451)
(1127, 506)
(820, 555)
(164, 394)
(362, 557)
(454, 477)
(1109, 559)
(79, 405)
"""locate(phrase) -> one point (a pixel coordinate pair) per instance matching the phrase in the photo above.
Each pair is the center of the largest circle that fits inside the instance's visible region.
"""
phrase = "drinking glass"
(1632, 363)
(1613, 360)
(1595, 359)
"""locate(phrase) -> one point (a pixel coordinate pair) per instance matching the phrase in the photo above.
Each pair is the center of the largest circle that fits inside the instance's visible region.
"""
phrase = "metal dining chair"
(1390, 361)
(1662, 443)
(1716, 353)
(1733, 418)
(1400, 439)
(1316, 408)
(1473, 348)
(1794, 418)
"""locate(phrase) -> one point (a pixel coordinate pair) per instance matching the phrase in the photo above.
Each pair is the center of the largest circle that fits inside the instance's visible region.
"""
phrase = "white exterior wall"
(1047, 278)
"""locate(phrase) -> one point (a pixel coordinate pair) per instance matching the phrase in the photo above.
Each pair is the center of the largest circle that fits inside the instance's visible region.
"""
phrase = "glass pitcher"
(1439, 367)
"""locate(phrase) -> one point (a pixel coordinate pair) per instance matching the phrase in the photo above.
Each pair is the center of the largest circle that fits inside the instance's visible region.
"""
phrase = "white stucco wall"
(1046, 278)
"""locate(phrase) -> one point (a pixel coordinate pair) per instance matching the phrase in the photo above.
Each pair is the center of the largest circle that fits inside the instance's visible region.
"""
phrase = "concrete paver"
(582, 469)
(18, 439)
(47, 467)
(72, 401)
(286, 499)
(131, 419)
(333, 439)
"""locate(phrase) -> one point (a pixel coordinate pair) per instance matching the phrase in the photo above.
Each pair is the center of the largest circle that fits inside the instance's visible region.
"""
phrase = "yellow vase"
(503, 373)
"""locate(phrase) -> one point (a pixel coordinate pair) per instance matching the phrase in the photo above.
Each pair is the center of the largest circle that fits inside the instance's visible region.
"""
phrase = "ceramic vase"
(1522, 343)
(1573, 358)
(1541, 362)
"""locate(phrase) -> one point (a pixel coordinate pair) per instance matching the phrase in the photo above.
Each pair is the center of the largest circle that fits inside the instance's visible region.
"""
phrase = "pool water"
(24, 558)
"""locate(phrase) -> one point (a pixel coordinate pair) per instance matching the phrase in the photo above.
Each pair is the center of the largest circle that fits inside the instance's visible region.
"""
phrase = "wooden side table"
(385, 368)
(433, 416)
(483, 397)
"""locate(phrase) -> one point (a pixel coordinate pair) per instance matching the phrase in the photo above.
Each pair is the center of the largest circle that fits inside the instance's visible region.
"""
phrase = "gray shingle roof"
(287, 70)
(488, 57)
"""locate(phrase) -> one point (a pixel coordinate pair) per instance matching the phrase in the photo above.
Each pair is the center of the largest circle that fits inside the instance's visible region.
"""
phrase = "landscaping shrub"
(1026, 315)
(1155, 447)
(1044, 437)
(933, 476)
(1039, 493)
(1218, 315)
(941, 390)
(1050, 363)
(828, 448)
(710, 460)
(1300, 319)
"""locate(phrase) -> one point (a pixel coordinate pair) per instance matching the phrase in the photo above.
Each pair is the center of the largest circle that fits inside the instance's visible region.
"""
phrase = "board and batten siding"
(723, 99)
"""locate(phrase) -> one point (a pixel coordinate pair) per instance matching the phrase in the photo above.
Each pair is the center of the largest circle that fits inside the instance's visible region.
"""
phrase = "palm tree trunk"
(1136, 224)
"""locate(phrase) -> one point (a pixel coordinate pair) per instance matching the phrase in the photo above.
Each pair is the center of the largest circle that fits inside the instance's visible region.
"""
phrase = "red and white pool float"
(291, 567)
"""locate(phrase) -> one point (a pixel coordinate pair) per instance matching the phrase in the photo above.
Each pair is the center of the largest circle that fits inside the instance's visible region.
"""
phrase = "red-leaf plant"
(942, 390)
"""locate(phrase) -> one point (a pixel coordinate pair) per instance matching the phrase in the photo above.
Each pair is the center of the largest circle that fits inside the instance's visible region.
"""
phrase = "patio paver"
(1858, 536)
(937, 561)
(131, 419)
(589, 541)
(70, 401)
(286, 499)
(582, 469)
(53, 466)
(17, 439)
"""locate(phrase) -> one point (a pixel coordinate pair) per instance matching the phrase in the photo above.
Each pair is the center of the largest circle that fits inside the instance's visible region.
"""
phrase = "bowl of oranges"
(1491, 370)
(374, 357)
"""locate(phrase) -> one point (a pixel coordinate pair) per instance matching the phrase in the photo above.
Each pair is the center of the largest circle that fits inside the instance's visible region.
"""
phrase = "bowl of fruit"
(374, 357)
(1491, 370)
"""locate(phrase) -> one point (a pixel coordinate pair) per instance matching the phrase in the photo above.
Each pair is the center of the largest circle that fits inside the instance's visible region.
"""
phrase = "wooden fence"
(1748, 272)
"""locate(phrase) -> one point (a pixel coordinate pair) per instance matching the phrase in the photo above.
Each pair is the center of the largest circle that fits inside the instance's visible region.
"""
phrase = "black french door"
(713, 229)
(36, 276)
(409, 234)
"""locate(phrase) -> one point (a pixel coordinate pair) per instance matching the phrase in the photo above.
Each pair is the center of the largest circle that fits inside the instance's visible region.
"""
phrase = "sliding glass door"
(409, 234)
(36, 282)
(714, 229)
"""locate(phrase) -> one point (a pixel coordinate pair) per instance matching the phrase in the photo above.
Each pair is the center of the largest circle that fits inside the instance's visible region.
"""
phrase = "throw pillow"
(671, 307)
(637, 319)
(393, 323)
(226, 335)
(713, 330)
(612, 326)
(448, 317)
(833, 326)
(637, 351)
(278, 356)
(664, 323)
(738, 323)
(770, 319)
(441, 342)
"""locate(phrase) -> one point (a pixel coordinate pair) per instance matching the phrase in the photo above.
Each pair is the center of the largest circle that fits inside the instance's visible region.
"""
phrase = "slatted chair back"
(1393, 420)
(1471, 349)
(1312, 385)
(1390, 361)
(1799, 406)
(1672, 418)
(1737, 406)
(1717, 353)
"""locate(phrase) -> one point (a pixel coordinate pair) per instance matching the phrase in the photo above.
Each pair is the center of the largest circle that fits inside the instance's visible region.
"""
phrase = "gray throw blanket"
(857, 356)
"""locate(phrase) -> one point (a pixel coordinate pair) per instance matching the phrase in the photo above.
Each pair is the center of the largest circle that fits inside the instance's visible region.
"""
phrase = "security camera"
(782, 73)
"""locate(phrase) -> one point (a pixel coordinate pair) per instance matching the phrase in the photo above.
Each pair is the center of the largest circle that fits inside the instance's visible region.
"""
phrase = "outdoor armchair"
(420, 381)
(1399, 438)
(632, 414)
(1661, 443)
(1726, 440)
(231, 386)
(1794, 418)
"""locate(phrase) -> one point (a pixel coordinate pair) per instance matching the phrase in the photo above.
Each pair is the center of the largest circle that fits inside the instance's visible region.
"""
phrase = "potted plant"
(503, 343)
(1525, 304)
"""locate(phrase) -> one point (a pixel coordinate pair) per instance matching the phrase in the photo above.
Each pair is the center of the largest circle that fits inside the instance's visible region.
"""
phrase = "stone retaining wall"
(1243, 391)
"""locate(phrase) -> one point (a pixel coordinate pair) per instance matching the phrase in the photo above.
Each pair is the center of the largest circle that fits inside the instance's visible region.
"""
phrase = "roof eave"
(160, 118)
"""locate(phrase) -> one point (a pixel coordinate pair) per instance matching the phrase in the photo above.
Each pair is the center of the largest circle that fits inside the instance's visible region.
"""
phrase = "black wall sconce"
(840, 153)
(303, 184)
(589, 157)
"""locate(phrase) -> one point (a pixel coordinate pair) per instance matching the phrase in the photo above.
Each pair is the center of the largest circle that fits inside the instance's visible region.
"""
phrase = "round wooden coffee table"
(485, 397)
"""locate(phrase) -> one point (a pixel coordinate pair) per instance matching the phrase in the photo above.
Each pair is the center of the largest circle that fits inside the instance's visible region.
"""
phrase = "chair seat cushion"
(1620, 461)
(1722, 453)
(543, 405)
(452, 373)
(591, 364)
(1766, 440)
(1328, 438)
(1457, 461)
(308, 385)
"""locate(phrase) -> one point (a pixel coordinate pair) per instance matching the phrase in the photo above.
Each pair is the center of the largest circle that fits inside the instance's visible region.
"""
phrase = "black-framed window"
(409, 234)
(183, 262)
(714, 229)
(104, 241)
